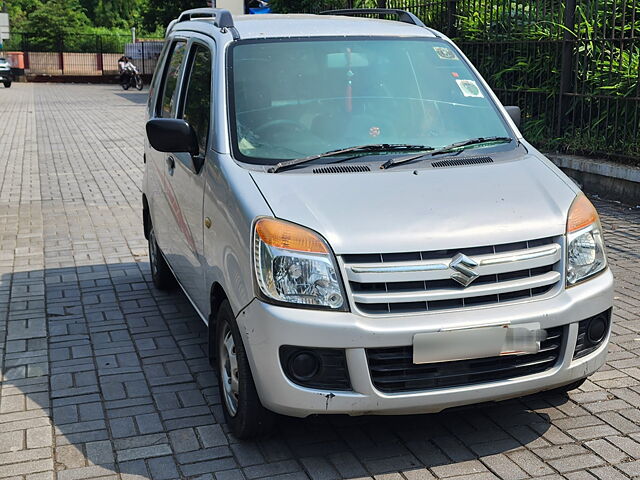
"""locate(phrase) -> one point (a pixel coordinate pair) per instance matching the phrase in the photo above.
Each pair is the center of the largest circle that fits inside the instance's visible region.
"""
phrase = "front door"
(162, 195)
(185, 176)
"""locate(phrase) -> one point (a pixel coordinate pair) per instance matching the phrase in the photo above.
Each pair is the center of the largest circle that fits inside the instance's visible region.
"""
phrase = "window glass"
(170, 93)
(197, 107)
(294, 98)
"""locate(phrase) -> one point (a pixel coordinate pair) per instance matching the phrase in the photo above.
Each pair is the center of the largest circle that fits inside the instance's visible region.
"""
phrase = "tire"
(7, 84)
(161, 274)
(243, 411)
(139, 83)
(125, 86)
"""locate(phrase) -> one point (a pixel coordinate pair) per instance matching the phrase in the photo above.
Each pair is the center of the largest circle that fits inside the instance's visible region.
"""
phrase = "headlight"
(585, 246)
(295, 265)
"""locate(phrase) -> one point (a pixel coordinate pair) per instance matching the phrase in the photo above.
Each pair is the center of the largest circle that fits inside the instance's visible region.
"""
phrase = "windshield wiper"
(445, 149)
(376, 147)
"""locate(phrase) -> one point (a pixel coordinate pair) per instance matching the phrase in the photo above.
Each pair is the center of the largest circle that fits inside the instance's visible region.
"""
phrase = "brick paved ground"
(103, 376)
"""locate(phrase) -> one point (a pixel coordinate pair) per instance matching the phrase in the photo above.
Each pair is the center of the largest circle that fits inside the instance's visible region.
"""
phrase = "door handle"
(171, 164)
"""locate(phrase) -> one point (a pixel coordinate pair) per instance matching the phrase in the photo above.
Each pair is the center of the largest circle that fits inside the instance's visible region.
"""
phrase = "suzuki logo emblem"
(463, 266)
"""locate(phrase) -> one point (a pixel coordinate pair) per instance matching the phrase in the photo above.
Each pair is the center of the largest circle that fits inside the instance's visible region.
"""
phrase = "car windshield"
(299, 97)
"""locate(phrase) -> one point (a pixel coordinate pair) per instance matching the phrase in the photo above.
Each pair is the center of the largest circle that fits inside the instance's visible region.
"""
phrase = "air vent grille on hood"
(342, 169)
(461, 161)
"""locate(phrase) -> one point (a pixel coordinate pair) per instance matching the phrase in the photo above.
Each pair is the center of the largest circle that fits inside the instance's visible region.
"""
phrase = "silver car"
(360, 223)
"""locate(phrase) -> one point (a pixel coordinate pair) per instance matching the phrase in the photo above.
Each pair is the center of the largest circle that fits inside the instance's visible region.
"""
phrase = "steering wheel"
(272, 124)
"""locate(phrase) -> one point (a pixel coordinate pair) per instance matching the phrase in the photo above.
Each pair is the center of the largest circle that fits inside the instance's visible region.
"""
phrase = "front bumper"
(266, 327)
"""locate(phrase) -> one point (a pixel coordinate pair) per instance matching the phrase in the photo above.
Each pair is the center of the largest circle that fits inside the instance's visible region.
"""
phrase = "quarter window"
(171, 81)
(197, 106)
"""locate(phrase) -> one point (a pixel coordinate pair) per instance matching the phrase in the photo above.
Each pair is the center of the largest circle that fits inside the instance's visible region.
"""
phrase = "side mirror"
(515, 114)
(172, 135)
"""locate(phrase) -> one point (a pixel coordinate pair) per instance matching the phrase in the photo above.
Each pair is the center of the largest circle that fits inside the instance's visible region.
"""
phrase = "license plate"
(478, 342)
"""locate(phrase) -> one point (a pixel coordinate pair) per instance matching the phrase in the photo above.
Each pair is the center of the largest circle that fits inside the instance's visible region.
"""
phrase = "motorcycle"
(131, 78)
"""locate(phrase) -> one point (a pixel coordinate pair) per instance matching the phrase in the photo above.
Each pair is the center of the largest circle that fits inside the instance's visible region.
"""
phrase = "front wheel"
(7, 84)
(139, 84)
(243, 411)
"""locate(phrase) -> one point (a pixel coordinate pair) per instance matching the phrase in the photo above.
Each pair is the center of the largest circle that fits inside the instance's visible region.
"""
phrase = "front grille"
(415, 282)
(392, 369)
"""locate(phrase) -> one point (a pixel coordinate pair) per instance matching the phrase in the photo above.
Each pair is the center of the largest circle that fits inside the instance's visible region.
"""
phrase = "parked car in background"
(5, 73)
(360, 222)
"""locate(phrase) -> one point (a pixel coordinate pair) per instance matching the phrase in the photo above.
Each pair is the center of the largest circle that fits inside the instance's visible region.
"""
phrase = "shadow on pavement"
(122, 371)
(135, 96)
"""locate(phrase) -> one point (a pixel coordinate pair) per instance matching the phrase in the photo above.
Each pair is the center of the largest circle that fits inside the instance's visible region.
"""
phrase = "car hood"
(407, 210)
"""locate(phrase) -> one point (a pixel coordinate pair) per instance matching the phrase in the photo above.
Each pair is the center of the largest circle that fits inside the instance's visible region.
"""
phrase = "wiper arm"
(445, 149)
(376, 147)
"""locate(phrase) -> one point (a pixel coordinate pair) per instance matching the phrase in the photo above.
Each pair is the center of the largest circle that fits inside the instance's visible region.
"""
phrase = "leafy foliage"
(158, 13)
(55, 18)
(517, 46)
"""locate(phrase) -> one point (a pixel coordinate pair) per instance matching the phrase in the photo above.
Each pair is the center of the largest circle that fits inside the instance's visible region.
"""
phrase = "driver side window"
(169, 100)
(197, 102)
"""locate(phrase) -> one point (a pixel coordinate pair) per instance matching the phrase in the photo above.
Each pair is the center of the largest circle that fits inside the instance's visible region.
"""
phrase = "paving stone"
(163, 468)
(608, 473)
(149, 423)
(11, 441)
(39, 437)
(457, 469)
(577, 462)
(184, 440)
(99, 453)
(143, 452)
(212, 436)
(122, 427)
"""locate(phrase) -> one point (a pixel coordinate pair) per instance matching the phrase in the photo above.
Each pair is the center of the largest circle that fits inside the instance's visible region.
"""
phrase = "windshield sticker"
(445, 53)
(469, 88)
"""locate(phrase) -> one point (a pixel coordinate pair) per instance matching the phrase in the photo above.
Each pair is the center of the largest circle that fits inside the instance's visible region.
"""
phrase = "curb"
(607, 179)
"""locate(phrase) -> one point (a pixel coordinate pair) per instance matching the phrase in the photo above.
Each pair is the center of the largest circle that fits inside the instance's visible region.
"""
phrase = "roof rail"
(403, 15)
(221, 18)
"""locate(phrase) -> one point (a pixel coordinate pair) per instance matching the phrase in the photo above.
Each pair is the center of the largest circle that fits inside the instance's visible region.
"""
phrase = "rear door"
(185, 175)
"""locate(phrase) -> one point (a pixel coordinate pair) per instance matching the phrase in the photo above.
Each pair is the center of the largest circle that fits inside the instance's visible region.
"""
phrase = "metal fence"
(573, 67)
(82, 54)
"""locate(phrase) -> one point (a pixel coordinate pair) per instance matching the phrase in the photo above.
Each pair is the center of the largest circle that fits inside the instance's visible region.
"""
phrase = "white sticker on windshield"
(445, 53)
(469, 88)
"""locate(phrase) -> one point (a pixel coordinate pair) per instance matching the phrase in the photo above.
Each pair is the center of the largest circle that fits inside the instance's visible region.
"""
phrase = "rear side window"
(171, 80)
(197, 106)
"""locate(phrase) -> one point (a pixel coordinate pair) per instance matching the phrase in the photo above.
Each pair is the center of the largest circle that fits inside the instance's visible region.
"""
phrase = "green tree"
(116, 13)
(158, 13)
(19, 10)
(51, 21)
